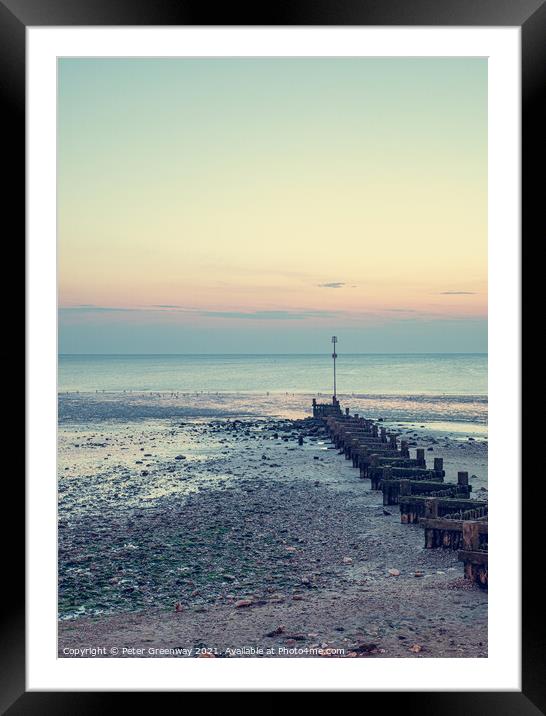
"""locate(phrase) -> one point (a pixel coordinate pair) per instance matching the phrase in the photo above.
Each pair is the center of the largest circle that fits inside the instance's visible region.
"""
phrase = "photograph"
(272, 369)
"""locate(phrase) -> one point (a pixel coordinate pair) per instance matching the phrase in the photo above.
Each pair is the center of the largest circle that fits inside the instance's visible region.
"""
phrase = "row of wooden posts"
(450, 518)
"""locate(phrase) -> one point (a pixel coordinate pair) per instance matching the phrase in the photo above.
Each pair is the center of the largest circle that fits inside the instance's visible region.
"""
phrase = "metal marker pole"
(334, 356)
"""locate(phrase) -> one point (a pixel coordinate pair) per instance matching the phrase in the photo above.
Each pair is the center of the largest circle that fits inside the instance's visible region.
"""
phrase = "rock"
(180, 457)
(178, 607)
(394, 572)
(418, 573)
(243, 603)
(416, 648)
(276, 632)
(364, 648)
(347, 560)
(387, 514)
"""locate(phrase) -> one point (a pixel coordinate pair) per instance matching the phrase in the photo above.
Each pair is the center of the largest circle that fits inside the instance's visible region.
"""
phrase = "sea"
(441, 387)
(372, 374)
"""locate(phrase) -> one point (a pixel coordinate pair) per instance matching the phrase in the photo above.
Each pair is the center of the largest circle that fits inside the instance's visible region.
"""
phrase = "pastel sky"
(262, 205)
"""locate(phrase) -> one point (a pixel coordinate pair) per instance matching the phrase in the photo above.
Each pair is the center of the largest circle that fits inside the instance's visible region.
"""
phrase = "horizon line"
(394, 353)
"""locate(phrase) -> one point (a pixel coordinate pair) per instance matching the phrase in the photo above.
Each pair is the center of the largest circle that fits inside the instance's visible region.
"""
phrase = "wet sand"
(178, 535)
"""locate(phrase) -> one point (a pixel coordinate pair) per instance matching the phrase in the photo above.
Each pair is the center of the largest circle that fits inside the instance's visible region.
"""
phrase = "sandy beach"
(211, 533)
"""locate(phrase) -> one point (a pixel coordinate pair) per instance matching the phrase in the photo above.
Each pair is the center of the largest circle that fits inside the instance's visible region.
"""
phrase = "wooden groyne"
(394, 489)
(450, 518)
(475, 566)
(449, 534)
(321, 410)
(416, 507)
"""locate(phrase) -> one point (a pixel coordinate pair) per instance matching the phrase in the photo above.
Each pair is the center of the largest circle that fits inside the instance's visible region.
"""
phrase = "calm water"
(367, 374)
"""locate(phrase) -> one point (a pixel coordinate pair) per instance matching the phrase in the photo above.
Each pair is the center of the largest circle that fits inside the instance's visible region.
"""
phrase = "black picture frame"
(530, 16)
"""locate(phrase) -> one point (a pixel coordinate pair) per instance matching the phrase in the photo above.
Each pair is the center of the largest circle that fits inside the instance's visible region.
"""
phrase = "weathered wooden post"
(347, 411)
(404, 449)
(375, 473)
(471, 536)
(462, 479)
(463, 488)
(438, 464)
(405, 488)
(383, 432)
(431, 507)
(474, 559)
(420, 456)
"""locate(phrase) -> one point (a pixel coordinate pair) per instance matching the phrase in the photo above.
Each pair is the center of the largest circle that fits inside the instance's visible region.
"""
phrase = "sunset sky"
(262, 205)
